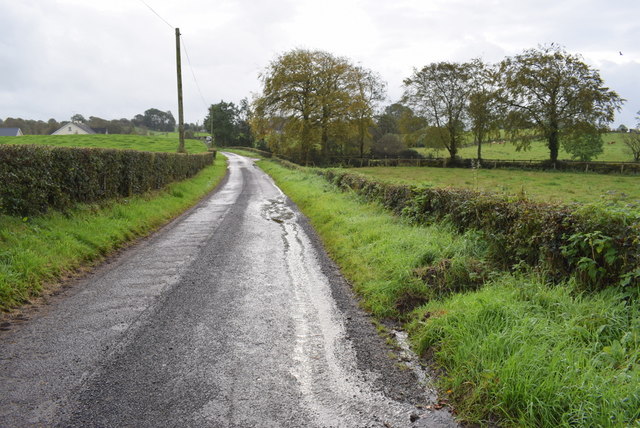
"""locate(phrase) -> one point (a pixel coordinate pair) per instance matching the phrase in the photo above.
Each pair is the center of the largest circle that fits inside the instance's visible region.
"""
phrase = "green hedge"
(35, 178)
(598, 244)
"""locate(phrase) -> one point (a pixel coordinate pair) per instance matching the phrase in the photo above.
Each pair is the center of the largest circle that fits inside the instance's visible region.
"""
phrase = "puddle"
(276, 210)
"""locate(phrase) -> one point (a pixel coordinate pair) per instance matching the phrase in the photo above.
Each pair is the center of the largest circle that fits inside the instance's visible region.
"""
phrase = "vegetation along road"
(232, 315)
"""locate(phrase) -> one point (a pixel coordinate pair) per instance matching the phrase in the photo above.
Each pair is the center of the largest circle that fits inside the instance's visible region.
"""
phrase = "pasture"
(616, 152)
(538, 185)
(155, 143)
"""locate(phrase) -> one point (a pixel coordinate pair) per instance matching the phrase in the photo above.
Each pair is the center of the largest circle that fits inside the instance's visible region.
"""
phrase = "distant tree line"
(314, 106)
(151, 120)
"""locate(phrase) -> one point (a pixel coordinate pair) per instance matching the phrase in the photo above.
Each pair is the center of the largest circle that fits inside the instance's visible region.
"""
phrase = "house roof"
(10, 132)
(84, 127)
(80, 125)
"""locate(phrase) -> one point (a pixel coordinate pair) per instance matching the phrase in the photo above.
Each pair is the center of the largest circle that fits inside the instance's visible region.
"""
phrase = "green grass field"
(156, 143)
(539, 185)
(616, 152)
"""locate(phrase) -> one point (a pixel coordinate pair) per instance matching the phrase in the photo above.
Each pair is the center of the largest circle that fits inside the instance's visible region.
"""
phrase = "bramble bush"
(34, 179)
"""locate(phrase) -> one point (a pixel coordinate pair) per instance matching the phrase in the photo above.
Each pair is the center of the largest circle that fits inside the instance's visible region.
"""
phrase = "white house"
(72, 128)
(10, 132)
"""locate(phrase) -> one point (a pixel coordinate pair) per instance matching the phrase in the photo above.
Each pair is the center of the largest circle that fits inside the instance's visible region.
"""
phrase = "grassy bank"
(538, 185)
(42, 249)
(512, 348)
(156, 143)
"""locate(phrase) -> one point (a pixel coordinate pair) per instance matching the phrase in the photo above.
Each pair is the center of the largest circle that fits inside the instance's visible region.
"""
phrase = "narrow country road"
(230, 316)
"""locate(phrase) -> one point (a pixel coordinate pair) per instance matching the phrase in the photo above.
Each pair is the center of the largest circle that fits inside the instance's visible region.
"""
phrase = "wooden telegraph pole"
(181, 148)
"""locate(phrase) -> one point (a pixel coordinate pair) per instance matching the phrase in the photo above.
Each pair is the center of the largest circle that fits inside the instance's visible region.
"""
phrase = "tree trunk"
(554, 144)
(361, 137)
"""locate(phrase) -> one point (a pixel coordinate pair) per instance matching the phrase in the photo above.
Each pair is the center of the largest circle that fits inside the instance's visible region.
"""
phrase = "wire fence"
(603, 167)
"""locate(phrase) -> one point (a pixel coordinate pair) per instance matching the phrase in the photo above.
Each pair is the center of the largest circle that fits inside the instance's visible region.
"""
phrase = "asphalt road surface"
(230, 316)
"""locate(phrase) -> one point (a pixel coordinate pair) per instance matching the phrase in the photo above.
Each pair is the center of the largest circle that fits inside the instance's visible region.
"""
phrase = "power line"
(156, 13)
(206, 106)
(184, 45)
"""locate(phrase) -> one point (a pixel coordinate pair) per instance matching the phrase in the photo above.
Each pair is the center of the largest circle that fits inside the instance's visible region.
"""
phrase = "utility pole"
(181, 148)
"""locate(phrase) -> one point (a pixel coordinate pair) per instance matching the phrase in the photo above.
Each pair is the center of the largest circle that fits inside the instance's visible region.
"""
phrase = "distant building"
(11, 132)
(73, 128)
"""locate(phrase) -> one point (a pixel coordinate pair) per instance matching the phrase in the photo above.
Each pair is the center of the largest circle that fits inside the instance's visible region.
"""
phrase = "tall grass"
(534, 355)
(514, 351)
(41, 249)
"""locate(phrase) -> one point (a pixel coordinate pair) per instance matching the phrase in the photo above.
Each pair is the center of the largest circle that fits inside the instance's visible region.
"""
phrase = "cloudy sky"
(116, 58)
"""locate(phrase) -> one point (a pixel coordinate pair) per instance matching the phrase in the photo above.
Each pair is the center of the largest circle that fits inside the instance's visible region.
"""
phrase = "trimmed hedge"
(35, 178)
(599, 245)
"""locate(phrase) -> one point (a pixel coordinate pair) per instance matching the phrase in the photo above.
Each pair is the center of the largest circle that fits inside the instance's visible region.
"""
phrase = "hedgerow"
(34, 179)
(598, 244)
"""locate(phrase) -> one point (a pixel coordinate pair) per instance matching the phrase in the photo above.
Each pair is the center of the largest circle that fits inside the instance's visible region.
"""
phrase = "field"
(538, 185)
(156, 143)
(616, 152)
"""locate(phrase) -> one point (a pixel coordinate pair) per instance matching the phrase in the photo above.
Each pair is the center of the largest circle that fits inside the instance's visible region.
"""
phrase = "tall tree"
(440, 93)
(369, 91)
(244, 135)
(290, 91)
(156, 120)
(78, 118)
(485, 111)
(399, 119)
(221, 121)
(554, 94)
(319, 97)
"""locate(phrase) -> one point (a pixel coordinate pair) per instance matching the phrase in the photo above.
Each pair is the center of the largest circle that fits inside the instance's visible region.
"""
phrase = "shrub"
(598, 244)
(35, 178)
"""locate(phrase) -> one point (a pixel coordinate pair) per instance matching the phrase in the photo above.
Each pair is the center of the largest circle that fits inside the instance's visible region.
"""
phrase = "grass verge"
(512, 349)
(38, 250)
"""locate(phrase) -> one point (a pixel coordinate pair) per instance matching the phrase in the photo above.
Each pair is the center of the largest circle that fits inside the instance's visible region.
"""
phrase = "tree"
(221, 121)
(632, 141)
(229, 123)
(551, 93)
(155, 120)
(484, 109)
(244, 136)
(400, 119)
(440, 93)
(582, 141)
(78, 118)
(319, 102)
(389, 145)
(52, 126)
(369, 90)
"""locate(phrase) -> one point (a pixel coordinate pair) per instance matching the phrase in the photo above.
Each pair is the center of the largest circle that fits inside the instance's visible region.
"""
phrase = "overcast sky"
(116, 58)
